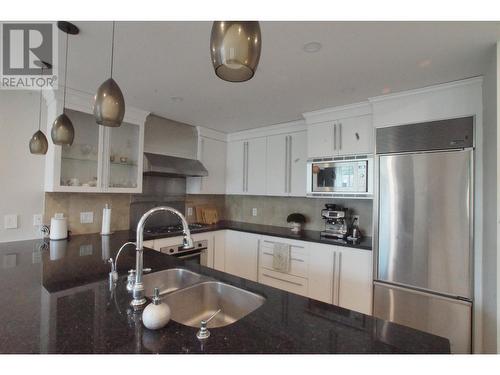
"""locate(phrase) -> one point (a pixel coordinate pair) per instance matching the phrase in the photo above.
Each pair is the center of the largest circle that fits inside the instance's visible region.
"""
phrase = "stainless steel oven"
(197, 255)
(340, 176)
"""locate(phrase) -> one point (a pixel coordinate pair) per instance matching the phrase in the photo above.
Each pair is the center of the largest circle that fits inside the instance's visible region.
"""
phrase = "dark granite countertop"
(58, 300)
(270, 230)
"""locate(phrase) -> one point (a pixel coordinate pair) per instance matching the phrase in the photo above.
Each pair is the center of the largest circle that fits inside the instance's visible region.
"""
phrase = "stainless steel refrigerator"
(424, 231)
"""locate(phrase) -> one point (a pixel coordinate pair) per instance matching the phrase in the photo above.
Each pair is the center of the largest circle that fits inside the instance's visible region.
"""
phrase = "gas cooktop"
(169, 229)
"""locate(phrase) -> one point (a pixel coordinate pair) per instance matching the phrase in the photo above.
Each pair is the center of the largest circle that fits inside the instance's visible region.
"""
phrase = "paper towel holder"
(106, 229)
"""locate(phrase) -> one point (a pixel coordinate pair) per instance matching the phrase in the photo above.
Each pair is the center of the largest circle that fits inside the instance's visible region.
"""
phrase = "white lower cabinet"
(321, 275)
(333, 274)
(219, 250)
(241, 254)
(354, 279)
(296, 279)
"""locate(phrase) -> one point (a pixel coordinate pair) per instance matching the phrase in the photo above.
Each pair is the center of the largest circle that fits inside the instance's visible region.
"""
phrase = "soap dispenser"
(157, 314)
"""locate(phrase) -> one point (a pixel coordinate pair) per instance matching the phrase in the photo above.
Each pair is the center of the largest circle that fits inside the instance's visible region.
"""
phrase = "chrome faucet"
(138, 290)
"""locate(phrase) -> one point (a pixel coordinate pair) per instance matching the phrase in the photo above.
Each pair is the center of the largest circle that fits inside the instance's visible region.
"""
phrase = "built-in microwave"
(349, 176)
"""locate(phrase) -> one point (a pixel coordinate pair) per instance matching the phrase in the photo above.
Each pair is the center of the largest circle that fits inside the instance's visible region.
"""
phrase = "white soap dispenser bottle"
(157, 314)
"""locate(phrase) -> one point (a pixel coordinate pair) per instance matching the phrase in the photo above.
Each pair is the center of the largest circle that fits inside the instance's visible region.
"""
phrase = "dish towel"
(281, 257)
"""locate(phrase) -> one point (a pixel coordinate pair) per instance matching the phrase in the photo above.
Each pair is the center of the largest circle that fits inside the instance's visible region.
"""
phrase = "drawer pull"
(273, 242)
(295, 259)
(285, 281)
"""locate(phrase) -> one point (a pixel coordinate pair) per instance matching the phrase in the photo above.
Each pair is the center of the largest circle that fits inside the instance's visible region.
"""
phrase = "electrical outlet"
(37, 220)
(10, 221)
(58, 215)
(86, 217)
(254, 211)
(190, 211)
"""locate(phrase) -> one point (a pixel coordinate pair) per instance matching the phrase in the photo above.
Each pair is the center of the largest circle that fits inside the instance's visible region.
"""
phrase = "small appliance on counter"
(335, 222)
(58, 228)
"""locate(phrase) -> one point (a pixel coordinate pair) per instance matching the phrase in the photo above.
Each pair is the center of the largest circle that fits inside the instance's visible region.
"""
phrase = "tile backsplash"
(72, 204)
(274, 210)
(270, 210)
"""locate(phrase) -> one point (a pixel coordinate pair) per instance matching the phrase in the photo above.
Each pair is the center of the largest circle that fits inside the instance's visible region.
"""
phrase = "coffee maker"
(335, 222)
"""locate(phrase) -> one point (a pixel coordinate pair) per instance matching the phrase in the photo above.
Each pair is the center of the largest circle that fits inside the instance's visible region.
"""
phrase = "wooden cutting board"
(207, 214)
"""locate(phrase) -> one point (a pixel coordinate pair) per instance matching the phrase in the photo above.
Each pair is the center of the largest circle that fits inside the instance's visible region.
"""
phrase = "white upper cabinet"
(277, 165)
(286, 164)
(212, 153)
(235, 167)
(320, 140)
(101, 159)
(269, 161)
(246, 166)
(298, 164)
(355, 136)
(256, 166)
(340, 131)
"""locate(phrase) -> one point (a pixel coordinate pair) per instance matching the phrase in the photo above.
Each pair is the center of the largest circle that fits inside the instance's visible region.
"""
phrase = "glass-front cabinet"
(101, 159)
(122, 165)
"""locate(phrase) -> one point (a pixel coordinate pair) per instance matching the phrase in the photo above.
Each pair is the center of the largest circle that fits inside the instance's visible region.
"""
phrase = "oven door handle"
(190, 255)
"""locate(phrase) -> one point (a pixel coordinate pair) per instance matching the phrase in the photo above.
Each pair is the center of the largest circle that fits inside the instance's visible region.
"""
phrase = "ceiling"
(158, 61)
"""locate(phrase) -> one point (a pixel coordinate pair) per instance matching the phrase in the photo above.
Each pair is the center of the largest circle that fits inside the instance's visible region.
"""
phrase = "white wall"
(498, 193)
(21, 173)
(489, 275)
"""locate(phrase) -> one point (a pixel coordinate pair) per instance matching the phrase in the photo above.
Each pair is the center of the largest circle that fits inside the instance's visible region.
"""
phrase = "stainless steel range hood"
(170, 149)
(172, 166)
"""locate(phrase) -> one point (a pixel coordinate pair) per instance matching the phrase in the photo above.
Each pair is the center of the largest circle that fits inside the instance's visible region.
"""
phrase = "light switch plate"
(58, 215)
(37, 220)
(10, 221)
(254, 211)
(190, 211)
(86, 217)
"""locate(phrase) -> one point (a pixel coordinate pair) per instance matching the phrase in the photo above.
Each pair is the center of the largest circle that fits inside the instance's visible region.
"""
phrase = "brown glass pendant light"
(63, 132)
(38, 142)
(235, 49)
(109, 104)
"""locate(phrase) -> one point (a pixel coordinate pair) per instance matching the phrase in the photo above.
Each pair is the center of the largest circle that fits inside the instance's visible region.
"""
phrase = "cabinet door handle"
(200, 157)
(283, 280)
(338, 284)
(340, 136)
(248, 156)
(243, 169)
(290, 144)
(333, 276)
(286, 164)
(334, 136)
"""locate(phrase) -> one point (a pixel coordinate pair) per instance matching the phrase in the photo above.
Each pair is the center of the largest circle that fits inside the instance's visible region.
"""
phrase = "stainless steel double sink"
(193, 297)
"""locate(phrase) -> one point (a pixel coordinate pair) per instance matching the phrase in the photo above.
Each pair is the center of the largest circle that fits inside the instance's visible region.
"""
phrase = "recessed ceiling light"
(176, 99)
(424, 63)
(312, 47)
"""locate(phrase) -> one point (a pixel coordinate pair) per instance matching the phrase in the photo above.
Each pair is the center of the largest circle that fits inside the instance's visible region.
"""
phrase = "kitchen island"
(56, 298)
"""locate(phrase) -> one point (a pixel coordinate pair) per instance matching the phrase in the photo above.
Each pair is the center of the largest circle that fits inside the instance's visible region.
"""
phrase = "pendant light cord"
(40, 106)
(65, 73)
(112, 48)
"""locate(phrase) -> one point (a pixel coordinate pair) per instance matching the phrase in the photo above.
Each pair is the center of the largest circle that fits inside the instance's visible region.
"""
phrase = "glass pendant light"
(109, 105)
(38, 142)
(235, 49)
(63, 132)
